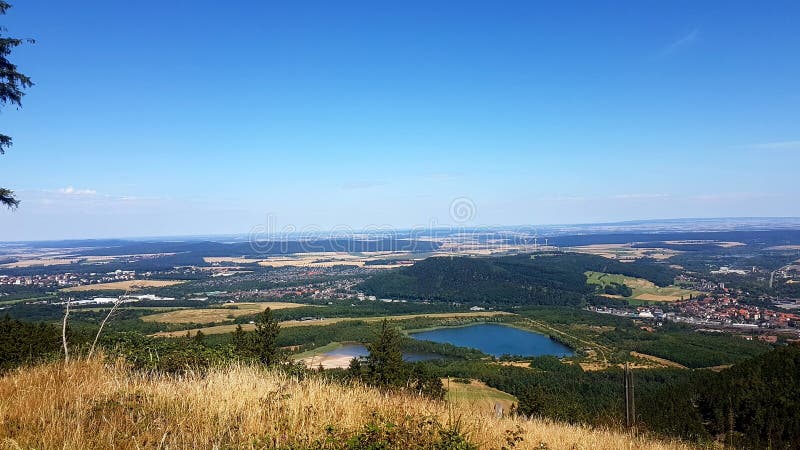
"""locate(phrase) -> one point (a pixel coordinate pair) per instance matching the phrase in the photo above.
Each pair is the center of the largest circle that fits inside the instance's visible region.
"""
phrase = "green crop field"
(643, 290)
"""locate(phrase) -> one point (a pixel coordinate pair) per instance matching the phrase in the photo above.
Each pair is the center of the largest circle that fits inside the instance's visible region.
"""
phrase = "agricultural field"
(211, 315)
(129, 285)
(476, 394)
(625, 252)
(643, 290)
(315, 259)
(39, 262)
(221, 329)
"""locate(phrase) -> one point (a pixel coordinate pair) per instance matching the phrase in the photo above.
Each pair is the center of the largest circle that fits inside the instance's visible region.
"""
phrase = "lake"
(497, 340)
(359, 351)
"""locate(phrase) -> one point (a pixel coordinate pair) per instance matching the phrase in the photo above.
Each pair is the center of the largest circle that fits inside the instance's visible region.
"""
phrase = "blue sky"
(179, 117)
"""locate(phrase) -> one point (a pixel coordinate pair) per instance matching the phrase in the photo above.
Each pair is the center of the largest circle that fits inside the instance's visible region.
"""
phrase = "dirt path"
(656, 359)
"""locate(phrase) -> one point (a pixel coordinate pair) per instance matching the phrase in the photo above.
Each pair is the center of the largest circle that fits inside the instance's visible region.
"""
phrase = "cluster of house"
(66, 279)
(328, 290)
(713, 312)
(726, 310)
(112, 300)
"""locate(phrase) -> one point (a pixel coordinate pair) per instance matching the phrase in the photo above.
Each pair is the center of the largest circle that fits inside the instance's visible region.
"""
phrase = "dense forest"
(542, 279)
(754, 404)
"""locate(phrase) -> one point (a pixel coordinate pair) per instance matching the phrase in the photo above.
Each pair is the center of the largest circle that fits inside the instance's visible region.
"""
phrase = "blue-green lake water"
(360, 351)
(497, 340)
(492, 339)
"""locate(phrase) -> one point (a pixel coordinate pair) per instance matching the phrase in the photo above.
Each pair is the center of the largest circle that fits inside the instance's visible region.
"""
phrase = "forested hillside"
(754, 404)
(542, 279)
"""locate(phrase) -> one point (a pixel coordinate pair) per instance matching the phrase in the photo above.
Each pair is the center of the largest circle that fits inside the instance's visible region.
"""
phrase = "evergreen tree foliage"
(12, 87)
(385, 360)
(265, 339)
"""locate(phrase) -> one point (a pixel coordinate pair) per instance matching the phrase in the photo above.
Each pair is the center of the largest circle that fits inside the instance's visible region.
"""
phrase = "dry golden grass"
(310, 260)
(220, 329)
(657, 360)
(230, 259)
(89, 404)
(221, 314)
(477, 395)
(129, 285)
(40, 262)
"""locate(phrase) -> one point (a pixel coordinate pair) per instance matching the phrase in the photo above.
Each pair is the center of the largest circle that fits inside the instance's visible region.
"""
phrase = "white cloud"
(676, 45)
(69, 190)
(781, 145)
(639, 196)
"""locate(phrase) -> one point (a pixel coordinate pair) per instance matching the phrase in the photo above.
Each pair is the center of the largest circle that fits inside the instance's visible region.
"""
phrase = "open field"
(230, 259)
(210, 315)
(624, 251)
(476, 394)
(784, 247)
(723, 244)
(93, 404)
(643, 290)
(43, 262)
(314, 259)
(130, 285)
(220, 329)
(657, 360)
(27, 299)
(36, 259)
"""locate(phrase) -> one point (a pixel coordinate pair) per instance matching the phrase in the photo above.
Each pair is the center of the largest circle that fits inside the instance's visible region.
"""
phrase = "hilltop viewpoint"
(101, 404)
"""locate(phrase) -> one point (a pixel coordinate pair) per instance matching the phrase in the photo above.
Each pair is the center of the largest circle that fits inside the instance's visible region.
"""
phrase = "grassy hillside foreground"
(90, 404)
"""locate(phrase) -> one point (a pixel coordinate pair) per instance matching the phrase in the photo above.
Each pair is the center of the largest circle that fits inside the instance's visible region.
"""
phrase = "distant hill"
(541, 279)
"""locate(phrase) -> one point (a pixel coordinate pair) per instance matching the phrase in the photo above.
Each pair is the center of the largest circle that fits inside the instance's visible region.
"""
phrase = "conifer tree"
(12, 89)
(241, 343)
(385, 360)
(265, 338)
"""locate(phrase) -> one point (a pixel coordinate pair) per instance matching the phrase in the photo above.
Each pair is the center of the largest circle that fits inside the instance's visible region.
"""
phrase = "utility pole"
(630, 404)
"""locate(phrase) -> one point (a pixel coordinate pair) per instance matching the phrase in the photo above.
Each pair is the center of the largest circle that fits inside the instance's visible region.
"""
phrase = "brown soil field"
(210, 315)
(130, 285)
(40, 262)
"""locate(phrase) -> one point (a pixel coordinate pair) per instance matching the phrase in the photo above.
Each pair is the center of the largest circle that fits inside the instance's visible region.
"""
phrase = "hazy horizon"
(270, 230)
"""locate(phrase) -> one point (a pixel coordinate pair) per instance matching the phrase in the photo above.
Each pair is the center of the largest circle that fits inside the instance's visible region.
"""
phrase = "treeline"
(384, 366)
(675, 342)
(542, 279)
(615, 288)
(692, 349)
(24, 343)
(754, 404)
(559, 391)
